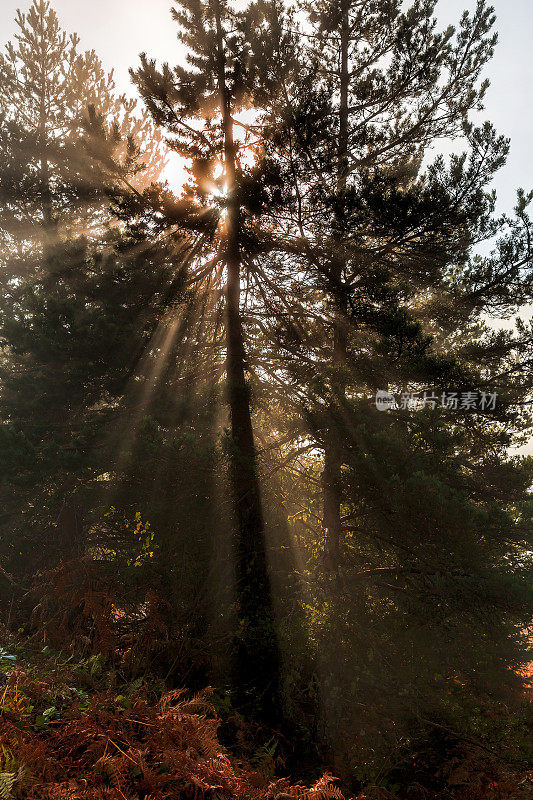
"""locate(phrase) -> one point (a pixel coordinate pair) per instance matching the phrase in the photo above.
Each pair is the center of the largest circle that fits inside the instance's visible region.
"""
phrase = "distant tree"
(71, 313)
(50, 184)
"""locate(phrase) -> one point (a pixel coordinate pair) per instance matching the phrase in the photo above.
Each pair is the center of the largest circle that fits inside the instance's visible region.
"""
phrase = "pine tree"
(360, 116)
(198, 107)
(392, 293)
(63, 351)
(48, 90)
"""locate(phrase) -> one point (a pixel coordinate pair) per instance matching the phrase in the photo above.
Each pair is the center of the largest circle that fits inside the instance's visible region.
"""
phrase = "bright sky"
(121, 29)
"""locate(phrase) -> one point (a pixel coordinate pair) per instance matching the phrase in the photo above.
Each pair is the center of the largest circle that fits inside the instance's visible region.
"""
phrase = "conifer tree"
(59, 272)
(343, 125)
(198, 108)
(393, 294)
(48, 90)
(378, 86)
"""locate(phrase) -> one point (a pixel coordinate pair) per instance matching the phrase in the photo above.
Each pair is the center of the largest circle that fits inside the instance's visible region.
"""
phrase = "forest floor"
(66, 734)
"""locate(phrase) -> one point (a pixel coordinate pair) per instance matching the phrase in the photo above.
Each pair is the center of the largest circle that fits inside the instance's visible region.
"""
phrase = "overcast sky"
(121, 29)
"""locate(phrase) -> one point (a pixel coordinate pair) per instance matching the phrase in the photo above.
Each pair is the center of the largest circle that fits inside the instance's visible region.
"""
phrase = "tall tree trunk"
(332, 475)
(257, 661)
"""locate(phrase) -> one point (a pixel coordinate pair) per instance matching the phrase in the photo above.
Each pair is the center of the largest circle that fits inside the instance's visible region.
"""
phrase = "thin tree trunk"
(332, 475)
(257, 663)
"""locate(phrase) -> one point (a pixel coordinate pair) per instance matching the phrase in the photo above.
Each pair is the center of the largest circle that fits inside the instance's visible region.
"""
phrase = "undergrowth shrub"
(86, 608)
(126, 746)
(131, 740)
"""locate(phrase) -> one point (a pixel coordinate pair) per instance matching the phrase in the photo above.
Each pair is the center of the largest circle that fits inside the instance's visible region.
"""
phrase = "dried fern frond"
(170, 699)
(7, 781)
(164, 748)
(324, 789)
(199, 704)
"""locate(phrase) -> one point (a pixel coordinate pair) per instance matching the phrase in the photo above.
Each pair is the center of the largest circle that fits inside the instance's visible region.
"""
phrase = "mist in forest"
(266, 513)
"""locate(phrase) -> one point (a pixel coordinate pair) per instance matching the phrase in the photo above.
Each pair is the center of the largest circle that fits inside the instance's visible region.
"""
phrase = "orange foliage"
(160, 751)
(132, 748)
(74, 603)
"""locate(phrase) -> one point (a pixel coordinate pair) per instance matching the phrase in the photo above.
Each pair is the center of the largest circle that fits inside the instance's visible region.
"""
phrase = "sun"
(218, 190)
